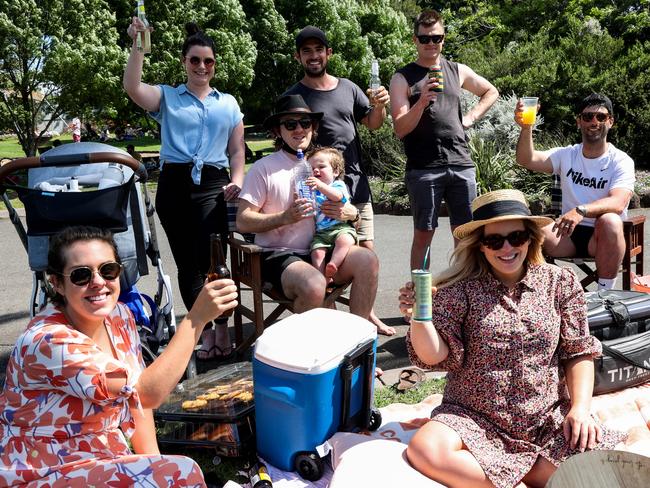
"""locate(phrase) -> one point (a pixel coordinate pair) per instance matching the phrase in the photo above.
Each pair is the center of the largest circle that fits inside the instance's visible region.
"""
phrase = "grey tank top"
(439, 138)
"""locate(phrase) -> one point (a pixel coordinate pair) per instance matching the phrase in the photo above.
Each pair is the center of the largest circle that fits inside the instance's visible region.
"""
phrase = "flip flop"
(214, 353)
(409, 378)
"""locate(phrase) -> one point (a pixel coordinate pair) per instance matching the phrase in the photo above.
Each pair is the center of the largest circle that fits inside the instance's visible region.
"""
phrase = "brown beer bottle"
(218, 269)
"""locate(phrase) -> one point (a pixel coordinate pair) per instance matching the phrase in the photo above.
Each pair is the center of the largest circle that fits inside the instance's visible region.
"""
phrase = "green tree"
(56, 59)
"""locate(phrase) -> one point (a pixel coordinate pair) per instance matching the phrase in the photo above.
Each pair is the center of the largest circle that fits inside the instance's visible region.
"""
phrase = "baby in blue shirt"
(328, 166)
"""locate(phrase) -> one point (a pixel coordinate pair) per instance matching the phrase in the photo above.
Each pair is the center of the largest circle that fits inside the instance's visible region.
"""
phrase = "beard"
(593, 137)
(318, 73)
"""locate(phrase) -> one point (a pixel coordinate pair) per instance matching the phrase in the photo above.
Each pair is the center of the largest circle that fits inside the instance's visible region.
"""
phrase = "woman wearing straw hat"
(512, 333)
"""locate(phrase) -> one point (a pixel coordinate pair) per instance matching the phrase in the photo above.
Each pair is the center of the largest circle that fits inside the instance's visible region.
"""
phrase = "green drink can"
(435, 72)
(422, 280)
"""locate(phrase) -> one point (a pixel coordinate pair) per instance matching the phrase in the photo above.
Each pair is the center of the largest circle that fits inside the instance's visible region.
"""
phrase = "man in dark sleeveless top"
(344, 106)
(432, 128)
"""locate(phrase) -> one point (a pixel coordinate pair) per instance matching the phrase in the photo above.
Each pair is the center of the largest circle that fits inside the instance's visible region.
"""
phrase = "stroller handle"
(44, 161)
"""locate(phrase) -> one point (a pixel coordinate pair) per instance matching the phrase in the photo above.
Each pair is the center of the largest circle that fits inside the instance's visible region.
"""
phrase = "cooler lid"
(313, 342)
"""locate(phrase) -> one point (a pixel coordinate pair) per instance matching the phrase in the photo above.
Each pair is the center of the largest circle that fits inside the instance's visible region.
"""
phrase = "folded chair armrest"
(634, 220)
(244, 246)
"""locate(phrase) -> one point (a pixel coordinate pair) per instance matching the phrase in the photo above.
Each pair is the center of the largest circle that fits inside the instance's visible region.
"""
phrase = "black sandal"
(409, 378)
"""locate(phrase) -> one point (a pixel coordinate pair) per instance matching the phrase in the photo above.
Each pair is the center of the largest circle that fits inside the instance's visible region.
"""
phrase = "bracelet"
(357, 217)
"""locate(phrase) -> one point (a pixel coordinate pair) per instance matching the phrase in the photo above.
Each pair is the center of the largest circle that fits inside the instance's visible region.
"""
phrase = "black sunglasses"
(436, 38)
(82, 275)
(292, 124)
(496, 241)
(588, 116)
(196, 60)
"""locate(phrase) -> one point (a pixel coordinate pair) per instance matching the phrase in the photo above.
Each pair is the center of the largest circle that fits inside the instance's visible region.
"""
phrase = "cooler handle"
(362, 356)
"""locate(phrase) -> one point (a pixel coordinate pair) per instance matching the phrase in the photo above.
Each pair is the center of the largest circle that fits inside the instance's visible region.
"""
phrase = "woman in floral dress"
(76, 384)
(512, 333)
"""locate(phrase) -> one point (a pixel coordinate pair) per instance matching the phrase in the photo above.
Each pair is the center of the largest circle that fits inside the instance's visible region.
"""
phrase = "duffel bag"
(621, 321)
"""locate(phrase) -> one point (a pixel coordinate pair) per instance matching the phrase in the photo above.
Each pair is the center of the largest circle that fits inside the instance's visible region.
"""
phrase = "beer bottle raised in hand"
(143, 37)
(218, 267)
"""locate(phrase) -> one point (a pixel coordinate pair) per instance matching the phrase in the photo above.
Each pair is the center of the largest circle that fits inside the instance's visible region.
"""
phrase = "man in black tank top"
(432, 127)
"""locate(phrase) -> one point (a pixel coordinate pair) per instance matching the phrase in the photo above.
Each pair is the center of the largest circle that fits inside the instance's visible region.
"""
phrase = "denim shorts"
(428, 187)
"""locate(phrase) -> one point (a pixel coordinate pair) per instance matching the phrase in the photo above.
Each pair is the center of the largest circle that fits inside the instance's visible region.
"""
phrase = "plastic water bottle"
(375, 82)
(73, 184)
(112, 176)
(302, 171)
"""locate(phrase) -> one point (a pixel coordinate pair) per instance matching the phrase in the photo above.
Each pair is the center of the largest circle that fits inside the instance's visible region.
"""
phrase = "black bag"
(621, 321)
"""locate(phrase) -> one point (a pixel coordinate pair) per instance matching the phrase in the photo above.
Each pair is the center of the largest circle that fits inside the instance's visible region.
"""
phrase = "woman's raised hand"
(215, 298)
(407, 298)
(135, 26)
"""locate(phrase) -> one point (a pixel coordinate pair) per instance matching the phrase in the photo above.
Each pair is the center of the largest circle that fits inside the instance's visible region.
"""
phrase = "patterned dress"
(506, 393)
(59, 425)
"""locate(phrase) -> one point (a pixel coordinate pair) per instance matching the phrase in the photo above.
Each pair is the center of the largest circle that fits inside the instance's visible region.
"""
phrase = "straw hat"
(497, 206)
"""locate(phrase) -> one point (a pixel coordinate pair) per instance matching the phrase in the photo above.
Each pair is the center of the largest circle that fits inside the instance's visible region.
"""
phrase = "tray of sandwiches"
(213, 409)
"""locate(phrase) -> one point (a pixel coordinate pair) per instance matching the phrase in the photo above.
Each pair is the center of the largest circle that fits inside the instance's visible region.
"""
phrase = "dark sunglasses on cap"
(436, 38)
(588, 116)
(496, 241)
(292, 124)
(82, 275)
(196, 60)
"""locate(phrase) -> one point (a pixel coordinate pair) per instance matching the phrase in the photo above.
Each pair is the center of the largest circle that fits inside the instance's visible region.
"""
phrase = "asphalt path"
(392, 240)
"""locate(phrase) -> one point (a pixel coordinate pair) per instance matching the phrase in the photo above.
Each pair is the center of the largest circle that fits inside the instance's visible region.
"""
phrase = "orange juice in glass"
(529, 114)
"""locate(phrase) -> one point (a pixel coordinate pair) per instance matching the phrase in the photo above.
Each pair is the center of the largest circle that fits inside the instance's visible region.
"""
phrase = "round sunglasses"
(588, 116)
(82, 275)
(496, 241)
(436, 38)
(196, 60)
(292, 124)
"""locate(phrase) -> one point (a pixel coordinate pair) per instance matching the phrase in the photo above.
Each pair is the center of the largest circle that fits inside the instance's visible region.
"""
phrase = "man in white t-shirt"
(597, 184)
(284, 224)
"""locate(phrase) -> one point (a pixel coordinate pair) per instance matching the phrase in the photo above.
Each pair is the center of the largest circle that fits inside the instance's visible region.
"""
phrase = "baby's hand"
(313, 182)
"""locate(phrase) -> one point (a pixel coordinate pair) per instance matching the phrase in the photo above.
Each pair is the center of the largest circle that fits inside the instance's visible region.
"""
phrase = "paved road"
(393, 237)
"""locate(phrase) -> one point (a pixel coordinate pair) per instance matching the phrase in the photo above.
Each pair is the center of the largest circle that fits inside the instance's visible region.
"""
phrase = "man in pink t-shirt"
(284, 224)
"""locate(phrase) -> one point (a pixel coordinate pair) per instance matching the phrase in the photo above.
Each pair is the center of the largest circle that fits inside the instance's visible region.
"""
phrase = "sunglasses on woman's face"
(196, 60)
(588, 116)
(436, 38)
(496, 241)
(292, 124)
(82, 275)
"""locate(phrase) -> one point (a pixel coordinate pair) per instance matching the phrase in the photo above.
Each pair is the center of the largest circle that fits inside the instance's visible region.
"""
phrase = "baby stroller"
(110, 199)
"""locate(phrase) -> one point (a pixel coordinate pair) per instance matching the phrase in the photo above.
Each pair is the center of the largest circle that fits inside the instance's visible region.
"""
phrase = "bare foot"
(330, 270)
(382, 328)
(222, 339)
(208, 348)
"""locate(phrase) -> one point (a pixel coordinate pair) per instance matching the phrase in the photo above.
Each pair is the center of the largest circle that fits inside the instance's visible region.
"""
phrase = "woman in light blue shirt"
(201, 160)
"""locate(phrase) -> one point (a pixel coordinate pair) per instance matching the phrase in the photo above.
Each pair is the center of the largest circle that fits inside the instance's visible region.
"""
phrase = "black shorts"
(275, 262)
(581, 236)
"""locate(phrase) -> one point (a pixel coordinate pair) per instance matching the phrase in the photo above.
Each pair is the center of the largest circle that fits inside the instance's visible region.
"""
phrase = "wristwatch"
(581, 210)
(356, 219)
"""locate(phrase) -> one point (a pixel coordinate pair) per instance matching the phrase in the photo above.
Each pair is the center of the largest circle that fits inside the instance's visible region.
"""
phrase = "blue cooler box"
(313, 375)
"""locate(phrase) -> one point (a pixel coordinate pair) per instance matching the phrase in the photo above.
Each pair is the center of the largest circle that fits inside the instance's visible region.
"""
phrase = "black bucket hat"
(290, 105)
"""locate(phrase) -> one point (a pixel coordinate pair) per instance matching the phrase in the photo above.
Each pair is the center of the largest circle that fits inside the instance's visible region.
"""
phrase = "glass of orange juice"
(530, 110)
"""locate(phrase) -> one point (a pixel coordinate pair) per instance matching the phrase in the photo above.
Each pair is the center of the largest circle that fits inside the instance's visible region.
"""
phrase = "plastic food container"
(214, 409)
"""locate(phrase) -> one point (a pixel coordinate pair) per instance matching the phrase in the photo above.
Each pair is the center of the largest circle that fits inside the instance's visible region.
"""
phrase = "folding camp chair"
(633, 230)
(246, 265)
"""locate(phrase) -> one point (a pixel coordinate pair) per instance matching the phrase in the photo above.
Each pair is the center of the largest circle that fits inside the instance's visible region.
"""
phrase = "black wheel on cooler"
(309, 466)
(375, 419)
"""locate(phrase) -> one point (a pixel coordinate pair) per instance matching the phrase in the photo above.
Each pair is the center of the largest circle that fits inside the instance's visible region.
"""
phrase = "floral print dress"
(506, 393)
(60, 426)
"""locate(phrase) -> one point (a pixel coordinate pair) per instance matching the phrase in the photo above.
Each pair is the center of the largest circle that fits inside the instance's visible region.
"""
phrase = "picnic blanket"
(378, 458)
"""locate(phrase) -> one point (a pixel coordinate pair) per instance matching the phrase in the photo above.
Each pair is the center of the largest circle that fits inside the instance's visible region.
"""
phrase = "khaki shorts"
(326, 238)
(366, 228)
